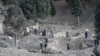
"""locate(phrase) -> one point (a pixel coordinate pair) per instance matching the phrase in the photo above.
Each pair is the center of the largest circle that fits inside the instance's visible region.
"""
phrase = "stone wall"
(1, 28)
(1, 23)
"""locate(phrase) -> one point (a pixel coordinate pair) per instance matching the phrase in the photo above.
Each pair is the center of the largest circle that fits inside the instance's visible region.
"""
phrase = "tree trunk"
(78, 20)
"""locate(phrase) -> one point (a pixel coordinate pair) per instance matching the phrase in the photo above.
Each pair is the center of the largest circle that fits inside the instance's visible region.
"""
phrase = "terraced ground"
(62, 22)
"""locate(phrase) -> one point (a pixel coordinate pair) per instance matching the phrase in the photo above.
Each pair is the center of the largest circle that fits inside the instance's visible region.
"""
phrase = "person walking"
(86, 33)
(41, 46)
(46, 43)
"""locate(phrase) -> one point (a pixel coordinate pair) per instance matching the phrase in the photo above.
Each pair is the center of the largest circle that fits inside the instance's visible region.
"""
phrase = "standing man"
(95, 40)
(44, 32)
(41, 45)
(46, 43)
(52, 33)
(86, 33)
(68, 48)
(68, 34)
(35, 31)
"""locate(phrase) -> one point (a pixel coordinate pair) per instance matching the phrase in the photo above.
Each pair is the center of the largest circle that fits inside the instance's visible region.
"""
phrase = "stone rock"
(4, 44)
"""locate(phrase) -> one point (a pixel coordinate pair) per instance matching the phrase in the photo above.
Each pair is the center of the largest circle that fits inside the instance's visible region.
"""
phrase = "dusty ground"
(22, 52)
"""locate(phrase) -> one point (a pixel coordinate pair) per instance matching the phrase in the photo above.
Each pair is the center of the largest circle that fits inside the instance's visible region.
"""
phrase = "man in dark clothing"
(68, 46)
(86, 33)
(35, 31)
(98, 38)
(52, 33)
(44, 32)
(41, 45)
(46, 41)
(96, 41)
(45, 45)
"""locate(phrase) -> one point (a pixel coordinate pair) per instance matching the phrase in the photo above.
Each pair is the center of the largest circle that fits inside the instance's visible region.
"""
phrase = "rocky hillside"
(62, 22)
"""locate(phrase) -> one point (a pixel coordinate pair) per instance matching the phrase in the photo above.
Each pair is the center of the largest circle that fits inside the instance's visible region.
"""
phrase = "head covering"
(93, 34)
(86, 29)
(41, 41)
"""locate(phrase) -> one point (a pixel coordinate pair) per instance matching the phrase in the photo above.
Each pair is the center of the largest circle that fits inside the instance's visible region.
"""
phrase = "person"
(68, 47)
(92, 55)
(98, 38)
(44, 32)
(95, 40)
(52, 33)
(86, 33)
(41, 45)
(46, 40)
(35, 31)
(45, 46)
(67, 34)
(46, 43)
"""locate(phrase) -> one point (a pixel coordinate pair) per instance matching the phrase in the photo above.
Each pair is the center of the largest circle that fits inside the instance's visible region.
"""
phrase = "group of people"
(96, 41)
(44, 41)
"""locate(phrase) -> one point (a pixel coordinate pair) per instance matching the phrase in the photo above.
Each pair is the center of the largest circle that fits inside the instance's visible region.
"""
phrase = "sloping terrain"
(22, 52)
(62, 22)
